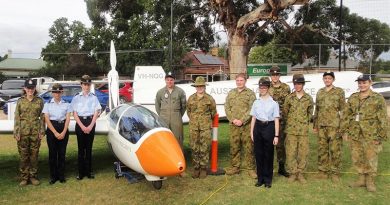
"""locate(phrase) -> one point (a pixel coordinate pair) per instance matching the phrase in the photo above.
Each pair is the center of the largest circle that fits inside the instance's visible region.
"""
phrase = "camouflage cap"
(30, 83)
(363, 77)
(274, 70)
(170, 75)
(299, 78)
(330, 73)
(86, 79)
(56, 87)
(264, 81)
(199, 81)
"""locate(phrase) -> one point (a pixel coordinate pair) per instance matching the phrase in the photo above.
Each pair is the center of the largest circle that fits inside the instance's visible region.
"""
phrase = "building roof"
(22, 64)
(208, 59)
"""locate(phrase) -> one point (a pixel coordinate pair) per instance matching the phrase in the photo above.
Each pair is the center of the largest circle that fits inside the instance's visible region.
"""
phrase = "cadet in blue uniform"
(86, 109)
(264, 132)
(57, 117)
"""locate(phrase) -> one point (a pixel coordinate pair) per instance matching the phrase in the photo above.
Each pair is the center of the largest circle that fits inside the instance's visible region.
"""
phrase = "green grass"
(240, 189)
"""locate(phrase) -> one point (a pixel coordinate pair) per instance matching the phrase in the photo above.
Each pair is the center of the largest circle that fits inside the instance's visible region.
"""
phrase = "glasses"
(55, 91)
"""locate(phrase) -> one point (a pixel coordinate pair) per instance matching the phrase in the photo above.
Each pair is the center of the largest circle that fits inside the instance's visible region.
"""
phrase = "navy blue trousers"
(263, 136)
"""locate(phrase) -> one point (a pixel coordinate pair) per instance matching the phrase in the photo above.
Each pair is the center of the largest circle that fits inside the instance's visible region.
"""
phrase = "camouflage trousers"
(240, 139)
(297, 151)
(329, 150)
(200, 147)
(28, 147)
(364, 155)
(280, 147)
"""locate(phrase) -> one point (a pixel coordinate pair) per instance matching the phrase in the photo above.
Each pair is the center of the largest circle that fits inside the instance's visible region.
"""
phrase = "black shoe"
(282, 171)
(91, 176)
(79, 177)
(259, 184)
(62, 180)
(268, 186)
(53, 181)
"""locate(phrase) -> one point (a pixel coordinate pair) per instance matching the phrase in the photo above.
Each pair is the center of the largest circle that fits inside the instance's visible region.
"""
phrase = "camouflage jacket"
(298, 113)
(329, 105)
(238, 105)
(167, 103)
(29, 119)
(279, 94)
(372, 117)
(201, 111)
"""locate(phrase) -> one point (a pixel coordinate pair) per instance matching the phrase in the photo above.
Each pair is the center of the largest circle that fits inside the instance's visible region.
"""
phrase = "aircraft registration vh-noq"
(137, 136)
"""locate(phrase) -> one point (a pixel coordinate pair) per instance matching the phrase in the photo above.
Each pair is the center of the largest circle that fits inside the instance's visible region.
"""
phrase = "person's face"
(275, 78)
(170, 82)
(56, 95)
(263, 90)
(85, 87)
(328, 80)
(240, 82)
(29, 91)
(364, 85)
(298, 87)
(200, 89)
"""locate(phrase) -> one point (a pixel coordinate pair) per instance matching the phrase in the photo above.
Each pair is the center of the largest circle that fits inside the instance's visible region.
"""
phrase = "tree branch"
(252, 38)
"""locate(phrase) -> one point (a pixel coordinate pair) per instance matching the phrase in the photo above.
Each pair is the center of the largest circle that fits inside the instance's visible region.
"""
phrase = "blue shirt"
(85, 105)
(265, 109)
(57, 111)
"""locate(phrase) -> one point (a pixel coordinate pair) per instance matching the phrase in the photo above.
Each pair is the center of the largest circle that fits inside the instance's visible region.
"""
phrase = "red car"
(125, 91)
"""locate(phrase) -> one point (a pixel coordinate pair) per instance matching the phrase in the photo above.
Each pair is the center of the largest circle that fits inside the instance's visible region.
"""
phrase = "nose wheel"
(157, 184)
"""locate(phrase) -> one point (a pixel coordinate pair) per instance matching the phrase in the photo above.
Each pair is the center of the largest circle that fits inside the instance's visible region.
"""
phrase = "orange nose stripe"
(160, 155)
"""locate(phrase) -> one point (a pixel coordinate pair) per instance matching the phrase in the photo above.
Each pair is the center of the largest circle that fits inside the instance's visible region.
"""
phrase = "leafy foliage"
(271, 53)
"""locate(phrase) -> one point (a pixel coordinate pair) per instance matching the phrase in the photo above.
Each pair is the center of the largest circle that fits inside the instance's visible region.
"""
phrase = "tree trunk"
(238, 55)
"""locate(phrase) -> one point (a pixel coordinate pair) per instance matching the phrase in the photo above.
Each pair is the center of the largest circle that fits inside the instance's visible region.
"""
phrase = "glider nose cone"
(160, 155)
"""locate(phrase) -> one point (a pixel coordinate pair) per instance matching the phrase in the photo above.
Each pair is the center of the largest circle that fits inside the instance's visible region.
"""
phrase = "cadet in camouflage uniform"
(171, 105)
(278, 92)
(237, 107)
(297, 110)
(330, 101)
(201, 109)
(29, 129)
(365, 122)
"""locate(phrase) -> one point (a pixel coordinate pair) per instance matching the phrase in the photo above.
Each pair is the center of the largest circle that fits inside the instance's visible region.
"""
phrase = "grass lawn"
(239, 189)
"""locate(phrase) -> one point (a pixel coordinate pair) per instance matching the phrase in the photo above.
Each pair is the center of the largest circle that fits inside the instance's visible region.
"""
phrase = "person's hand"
(252, 137)
(345, 137)
(377, 142)
(238, 123)
(57, 135)
(17, 137)
(276, 140)
(315, 130)
(40, 136)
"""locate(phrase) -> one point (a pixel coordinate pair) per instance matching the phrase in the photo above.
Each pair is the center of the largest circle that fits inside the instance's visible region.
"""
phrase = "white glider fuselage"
(140, 140)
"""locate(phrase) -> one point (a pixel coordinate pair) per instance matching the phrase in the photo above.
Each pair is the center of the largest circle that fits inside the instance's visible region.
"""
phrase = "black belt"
(264, 122)
(86, 117)
(57, 121)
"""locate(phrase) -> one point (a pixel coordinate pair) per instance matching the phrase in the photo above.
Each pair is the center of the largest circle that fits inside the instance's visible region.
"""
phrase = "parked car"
(383, 84)
(125, 91)
(10, 89)
(69, 92)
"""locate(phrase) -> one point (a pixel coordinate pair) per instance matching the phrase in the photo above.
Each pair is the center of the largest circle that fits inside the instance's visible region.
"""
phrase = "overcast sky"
(24, 24)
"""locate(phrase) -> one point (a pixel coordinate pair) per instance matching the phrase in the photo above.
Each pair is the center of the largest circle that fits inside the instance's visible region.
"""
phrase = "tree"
(244, 21)
(137, 27)
(318, 23)
(67, 52)
(271, 53)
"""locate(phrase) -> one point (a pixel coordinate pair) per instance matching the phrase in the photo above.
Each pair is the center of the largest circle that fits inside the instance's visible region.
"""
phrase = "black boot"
(282, 171)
